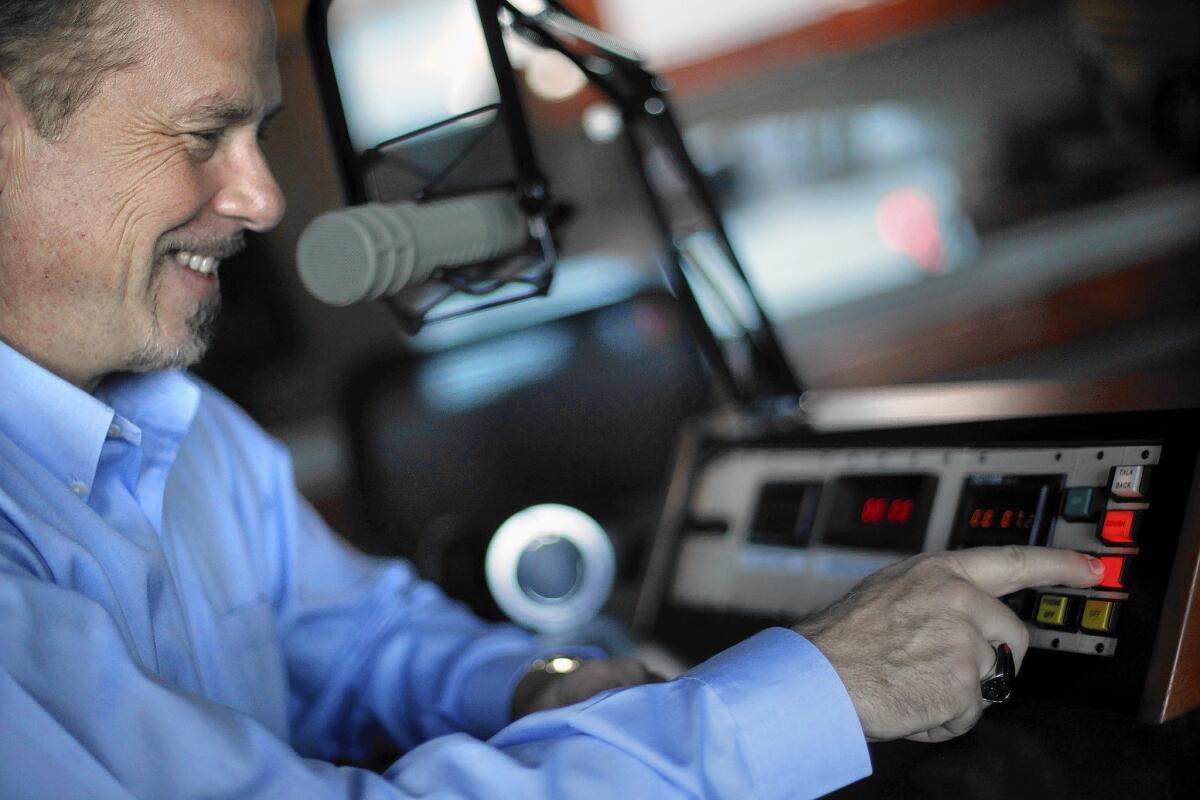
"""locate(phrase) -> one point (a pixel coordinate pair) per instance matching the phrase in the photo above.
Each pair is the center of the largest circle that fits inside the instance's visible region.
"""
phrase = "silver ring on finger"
(997, 686)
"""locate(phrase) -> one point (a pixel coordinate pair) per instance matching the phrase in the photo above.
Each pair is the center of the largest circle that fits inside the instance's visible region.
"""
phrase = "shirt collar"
(64, 428)
(164, 402)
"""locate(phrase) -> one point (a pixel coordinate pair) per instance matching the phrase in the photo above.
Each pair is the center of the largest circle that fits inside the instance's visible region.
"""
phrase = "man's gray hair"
(55, 53)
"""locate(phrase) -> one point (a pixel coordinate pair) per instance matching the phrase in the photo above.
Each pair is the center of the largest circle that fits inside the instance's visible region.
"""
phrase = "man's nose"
(249, 192)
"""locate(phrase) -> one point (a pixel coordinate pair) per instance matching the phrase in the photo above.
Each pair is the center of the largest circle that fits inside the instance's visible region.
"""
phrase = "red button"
(1117, 527)
(1114, 572)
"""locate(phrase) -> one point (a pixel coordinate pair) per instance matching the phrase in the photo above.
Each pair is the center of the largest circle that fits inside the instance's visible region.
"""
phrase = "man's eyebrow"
(225, 111)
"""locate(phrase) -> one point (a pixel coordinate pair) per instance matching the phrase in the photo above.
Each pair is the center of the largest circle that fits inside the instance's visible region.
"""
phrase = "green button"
(1082, 504)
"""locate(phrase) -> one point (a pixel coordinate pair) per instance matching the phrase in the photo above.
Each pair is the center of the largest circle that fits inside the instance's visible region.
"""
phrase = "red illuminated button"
(1119, 527)
(1114, 572)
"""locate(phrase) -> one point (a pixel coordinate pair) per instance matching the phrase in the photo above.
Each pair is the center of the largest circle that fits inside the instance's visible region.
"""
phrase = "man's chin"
(184, 349)
(159, 356)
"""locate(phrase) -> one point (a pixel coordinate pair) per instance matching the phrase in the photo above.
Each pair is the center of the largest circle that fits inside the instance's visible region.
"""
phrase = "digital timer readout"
(1006, 509)
(1020, 519)
(887, 510)
(879, 512)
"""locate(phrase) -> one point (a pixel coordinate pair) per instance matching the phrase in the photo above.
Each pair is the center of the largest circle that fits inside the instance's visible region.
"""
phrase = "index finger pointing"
(1003, 570)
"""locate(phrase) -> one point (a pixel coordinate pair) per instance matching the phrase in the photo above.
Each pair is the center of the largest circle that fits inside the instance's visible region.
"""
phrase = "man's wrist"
(537, 678)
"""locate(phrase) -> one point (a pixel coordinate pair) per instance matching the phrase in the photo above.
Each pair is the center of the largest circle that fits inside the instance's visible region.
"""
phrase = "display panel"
(1006, 509)
(879, 512)
(785, 514)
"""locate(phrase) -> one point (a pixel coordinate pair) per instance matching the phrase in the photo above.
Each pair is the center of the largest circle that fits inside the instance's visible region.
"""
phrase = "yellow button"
(1099, 616)
(1052, 610)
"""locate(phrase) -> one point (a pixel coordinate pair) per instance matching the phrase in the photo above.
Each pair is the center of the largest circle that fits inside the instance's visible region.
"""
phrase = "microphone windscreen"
(343, 257)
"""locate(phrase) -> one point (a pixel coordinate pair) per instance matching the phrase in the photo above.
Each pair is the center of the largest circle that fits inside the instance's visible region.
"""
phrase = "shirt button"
(79, 488)
(114, 431)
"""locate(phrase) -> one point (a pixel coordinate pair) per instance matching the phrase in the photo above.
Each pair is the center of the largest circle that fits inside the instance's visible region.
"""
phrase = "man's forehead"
(247, 26)
(211, 58)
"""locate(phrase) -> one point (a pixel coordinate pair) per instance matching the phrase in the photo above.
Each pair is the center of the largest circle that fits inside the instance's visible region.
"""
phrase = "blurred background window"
(922, 190)
(929, 190)
(405, 66)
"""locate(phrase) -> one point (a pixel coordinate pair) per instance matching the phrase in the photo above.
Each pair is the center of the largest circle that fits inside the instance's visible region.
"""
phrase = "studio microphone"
(371, 251)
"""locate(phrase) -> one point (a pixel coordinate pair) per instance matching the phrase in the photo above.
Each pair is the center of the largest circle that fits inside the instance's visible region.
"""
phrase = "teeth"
(205, 265)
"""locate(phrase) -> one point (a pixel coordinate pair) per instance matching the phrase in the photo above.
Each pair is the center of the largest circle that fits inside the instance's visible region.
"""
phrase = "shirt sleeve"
(367, 643)
(370, 648)
(767, 719)
(79, 718)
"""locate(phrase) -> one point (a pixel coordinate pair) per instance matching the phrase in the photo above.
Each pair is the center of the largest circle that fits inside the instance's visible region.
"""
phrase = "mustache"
(217, 246)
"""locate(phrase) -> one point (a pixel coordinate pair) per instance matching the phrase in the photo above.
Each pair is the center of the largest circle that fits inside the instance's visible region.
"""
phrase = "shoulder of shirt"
(230, 419)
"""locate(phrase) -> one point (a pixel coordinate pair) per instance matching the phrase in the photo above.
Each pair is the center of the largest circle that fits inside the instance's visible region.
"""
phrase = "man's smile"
(196, 262)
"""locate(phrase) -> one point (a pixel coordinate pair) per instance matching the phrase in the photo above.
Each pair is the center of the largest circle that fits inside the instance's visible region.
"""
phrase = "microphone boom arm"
(762, 374)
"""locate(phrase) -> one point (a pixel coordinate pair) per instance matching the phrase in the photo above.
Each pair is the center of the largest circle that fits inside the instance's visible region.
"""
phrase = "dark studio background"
(923, 190)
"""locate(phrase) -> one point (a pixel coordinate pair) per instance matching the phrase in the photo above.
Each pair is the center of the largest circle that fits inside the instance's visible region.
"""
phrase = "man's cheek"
(152, 179)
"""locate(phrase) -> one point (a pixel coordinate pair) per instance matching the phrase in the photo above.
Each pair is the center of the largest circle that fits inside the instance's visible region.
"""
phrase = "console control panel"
(763, 525)
(784, 532)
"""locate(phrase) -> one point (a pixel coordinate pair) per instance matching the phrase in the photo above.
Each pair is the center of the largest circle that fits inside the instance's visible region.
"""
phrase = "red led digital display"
(878, 512)
(887, 510)
(1004, 519)
(1006, 509)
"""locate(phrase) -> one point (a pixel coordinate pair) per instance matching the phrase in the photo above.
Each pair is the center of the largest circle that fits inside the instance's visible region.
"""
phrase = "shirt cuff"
(487, 703)
(798, 723)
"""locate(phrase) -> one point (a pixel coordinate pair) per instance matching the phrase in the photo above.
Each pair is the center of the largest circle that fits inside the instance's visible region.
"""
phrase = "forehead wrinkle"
(171, 23)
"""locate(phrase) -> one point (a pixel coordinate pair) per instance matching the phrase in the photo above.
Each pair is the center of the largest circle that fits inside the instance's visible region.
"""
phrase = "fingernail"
(1095, 565)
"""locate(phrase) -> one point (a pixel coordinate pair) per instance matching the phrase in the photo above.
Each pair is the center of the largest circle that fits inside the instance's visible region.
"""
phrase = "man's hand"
(912, 642)
(539, 691)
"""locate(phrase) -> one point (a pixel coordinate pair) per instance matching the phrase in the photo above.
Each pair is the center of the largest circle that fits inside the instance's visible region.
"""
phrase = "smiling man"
(176, 622)
(128, 206)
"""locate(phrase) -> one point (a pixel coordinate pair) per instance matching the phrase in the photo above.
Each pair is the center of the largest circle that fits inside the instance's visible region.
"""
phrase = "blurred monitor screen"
(402, 65)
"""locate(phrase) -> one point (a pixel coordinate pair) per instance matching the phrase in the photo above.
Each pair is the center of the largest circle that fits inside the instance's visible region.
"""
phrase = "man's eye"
(209, 138)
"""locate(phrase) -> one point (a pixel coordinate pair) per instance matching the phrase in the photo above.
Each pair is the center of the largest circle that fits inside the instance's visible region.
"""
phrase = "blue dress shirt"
(175, 622)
